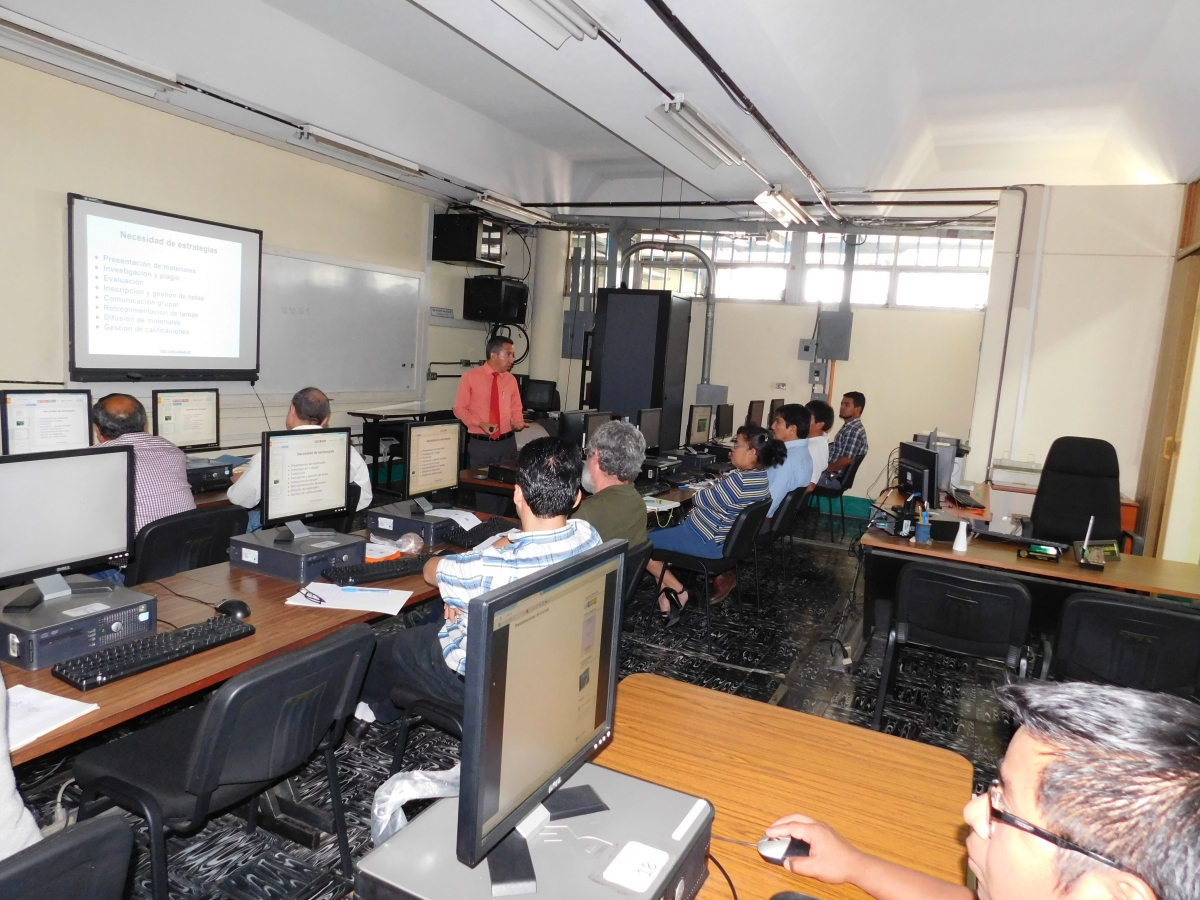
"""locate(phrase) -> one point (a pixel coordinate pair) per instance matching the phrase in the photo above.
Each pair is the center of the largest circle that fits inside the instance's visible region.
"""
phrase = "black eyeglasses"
(995, 796)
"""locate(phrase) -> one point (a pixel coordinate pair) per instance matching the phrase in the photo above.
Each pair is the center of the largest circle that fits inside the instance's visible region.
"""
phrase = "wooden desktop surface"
(982, 494)
(892, 797)
(279, 628)
(1130, 573)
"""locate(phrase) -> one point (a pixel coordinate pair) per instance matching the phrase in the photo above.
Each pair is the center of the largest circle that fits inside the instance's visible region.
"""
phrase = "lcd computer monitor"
(775, 404)
(649, 423)
(723, 422)
(540, 690)
(305, 474)
(947, 450)
(188, 419)
(754, 415)
(65, 511)
(699, 425)
(45, 421)
(918, 472)
(433, 455)
(592, 421)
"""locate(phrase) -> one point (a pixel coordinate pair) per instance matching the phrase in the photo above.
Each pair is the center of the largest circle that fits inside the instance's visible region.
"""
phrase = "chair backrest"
(268, 720)
(1081, 478)
(1130, 641)
(848, 481)
(88, 861)
(183, 541)
(440, 415)
(635, 567)
(786, 512)
(962, 610)
(744, 530)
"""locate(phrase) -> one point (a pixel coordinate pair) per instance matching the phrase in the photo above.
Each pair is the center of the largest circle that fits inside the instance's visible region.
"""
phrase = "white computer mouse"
(776, 850)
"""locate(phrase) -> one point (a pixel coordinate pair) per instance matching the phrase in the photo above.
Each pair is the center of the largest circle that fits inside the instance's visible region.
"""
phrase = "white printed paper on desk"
(654, 504)
(360, 599)
(466, 520)
(33, 713)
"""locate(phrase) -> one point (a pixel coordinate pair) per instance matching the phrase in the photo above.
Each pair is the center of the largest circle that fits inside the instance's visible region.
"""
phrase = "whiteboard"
(337, 327)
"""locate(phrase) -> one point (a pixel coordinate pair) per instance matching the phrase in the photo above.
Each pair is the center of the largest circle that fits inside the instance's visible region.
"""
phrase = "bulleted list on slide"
(157, 292)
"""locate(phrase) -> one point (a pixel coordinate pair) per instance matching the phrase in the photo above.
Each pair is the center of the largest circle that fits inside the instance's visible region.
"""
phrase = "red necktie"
(494, 408)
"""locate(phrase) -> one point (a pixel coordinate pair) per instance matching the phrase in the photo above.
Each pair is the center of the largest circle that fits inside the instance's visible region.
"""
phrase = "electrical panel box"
(808, 349)
(833, 334)
(818, 372)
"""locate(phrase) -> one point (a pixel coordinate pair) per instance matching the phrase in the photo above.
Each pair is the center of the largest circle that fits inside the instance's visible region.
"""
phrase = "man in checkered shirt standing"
(160, 468)
(849, 443)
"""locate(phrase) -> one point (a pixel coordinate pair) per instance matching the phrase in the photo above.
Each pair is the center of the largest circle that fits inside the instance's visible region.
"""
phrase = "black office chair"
(780, 527)
(88, 861)
(836, 493)
(343, 524)
(957, 609)
(1130, 641)
(183, 541)
(255, 730)
(417, 707)
(739, 544)
(440, 415)
(1081, 479)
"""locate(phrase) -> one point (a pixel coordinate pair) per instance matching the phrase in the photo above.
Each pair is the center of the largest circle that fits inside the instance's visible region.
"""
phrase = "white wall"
(1086, 321)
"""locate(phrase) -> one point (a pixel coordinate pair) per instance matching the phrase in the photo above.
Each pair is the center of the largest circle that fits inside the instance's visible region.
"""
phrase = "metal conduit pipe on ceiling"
(710, 303)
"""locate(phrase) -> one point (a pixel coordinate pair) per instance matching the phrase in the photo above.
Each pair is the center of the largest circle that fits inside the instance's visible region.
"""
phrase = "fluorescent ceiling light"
(780, 205)
(39, 41)
(555, 20)
(509, 209)
(348, 150)
(705, 141)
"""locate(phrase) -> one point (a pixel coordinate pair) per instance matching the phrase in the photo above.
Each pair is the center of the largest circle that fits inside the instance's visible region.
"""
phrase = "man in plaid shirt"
(849, 443)
(433, 657)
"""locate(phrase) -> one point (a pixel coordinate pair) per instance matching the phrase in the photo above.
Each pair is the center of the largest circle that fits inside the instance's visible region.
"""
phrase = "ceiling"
(874, 94)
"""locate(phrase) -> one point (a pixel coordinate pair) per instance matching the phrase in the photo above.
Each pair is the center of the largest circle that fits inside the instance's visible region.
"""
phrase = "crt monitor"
(538, 395)
(65, 511)
(188, 419)
(649, 422)
(775, 404)
(723, 421)
(594, 420)
(44, 421)
(305, 474)
(918, 472)
(433, 454)
(754, 415)
(699, 423)
(541, 683)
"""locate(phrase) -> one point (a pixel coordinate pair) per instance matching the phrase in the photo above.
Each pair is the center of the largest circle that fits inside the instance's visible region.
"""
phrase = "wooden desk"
(895, 798)
(477, 478)
(280, 628)
(212, 498)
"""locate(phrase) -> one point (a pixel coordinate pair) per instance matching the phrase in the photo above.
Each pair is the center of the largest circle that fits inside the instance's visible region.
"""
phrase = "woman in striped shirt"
(714, 510)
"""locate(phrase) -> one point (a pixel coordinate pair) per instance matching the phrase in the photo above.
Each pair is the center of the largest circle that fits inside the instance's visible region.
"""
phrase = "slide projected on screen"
(153, 293)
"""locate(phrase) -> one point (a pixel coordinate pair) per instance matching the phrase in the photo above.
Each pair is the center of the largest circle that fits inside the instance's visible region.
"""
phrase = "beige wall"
(1087, 317)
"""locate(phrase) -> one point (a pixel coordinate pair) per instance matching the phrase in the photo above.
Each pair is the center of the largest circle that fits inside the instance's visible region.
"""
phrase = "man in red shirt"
(489, 404)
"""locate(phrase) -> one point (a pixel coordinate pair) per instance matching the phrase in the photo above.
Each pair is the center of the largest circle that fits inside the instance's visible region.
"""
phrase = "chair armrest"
(1026, 524)
(1047, 657)
(1137, 542)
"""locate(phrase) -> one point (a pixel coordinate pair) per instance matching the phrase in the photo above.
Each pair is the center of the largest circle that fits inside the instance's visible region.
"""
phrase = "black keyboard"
(471, 538)
(362, 573)
(149, 652)
(650, 488)
(963, 498)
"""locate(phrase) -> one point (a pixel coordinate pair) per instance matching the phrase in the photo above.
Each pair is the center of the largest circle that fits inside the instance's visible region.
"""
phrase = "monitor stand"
(510, 865)
(296, 530)
(51, 587)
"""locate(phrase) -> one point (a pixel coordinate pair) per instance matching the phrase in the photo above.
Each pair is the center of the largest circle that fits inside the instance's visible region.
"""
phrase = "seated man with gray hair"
(614, 461)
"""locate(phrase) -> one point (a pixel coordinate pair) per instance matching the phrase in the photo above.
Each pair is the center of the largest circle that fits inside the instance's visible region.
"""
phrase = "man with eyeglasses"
(1098, 799)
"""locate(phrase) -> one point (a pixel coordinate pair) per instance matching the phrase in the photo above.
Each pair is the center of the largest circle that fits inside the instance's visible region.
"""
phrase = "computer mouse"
(776, 850)
(240, 610)
(792, 895)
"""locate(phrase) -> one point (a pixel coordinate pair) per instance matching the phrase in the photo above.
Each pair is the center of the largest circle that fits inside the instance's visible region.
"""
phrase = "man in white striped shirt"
(432, 658)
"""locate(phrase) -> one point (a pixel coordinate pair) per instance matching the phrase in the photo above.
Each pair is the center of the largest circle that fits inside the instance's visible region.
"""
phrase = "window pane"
(833, 249)
(908, 250)
(823, 286)
(927, 252)
(866, 252)
(985, 256)
(868, 287)
(758, 283)
(953, 290)
(948, 252)
(969, 254)
(887, 250)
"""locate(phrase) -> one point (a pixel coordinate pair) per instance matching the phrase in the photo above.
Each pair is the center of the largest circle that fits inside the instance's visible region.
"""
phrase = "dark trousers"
(484, 453)
(413, 658)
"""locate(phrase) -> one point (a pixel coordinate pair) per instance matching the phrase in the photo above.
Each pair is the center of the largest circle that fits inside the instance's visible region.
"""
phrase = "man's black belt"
(488, 437)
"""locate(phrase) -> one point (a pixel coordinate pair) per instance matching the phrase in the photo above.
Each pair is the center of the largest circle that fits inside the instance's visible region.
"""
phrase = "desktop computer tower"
(639, 356)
